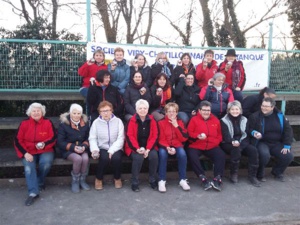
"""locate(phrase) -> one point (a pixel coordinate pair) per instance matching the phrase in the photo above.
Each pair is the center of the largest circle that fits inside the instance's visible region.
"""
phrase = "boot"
(252, 171)
(83, 183)
(234, 167)
(75, 182)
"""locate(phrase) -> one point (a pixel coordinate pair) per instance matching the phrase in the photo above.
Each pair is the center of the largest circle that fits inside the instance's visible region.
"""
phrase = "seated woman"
(102, 90)
(272, 135)
(72, 141)
(140, 64)
(218, 95)
(206, 69)
(106, 144)
(161, 92)
(252, 103)
(172, 135)
(183, 68)
(236, 142)
(161, 65)
(141, 138)
(187, 97)
(120, 71)
(205, 135)
(235, 74)
(136, 90)
(34, 144)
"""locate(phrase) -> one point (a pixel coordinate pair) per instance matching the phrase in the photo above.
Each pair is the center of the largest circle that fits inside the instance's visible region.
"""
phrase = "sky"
(244, 10)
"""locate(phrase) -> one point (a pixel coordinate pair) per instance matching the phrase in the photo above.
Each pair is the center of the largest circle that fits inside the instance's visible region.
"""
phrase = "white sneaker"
(184, 185)
(162, 186)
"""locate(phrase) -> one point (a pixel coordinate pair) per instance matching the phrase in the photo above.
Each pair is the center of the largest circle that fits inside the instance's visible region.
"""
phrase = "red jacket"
(240, 81)
(211, 127)
(31, 132)
(170, 136)
(203, 76)
(87, 72)
(132, 143)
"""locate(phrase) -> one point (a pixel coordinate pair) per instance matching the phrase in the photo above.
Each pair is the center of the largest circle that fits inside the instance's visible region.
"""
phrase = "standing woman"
(161, 92)
(88, 71)
(72, 140)
(141, 140)
(140, 64)
(136, 90)
(162, 65)
(236, 142)
(34, 144)
(106, 144)
(172, 135)
(120, 71)
(235, 74)
(207, 69)
(183, 68)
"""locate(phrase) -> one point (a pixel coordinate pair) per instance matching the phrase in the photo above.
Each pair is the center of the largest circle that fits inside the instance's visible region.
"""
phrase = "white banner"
(255, 61)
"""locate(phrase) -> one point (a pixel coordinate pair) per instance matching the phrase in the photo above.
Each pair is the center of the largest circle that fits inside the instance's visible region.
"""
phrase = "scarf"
(167, 94)
(236, 74)
(75, 123)
(165, 69)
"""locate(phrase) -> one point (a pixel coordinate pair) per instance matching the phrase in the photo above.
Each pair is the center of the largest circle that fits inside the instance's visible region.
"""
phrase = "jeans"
(83, 91)
(104, 161)
(265, 151)
(163, 159)
(185, 117)
(137, 163)
(80, 162)
(34, 178)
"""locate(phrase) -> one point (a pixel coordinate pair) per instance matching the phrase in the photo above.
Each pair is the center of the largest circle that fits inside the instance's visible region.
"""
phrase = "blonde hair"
(171, 104)
(36, 105)
(234, 103)
(118, 49)
(159, 55)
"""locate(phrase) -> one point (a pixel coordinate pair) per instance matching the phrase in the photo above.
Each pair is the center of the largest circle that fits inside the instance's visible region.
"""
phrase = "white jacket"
(108, 135)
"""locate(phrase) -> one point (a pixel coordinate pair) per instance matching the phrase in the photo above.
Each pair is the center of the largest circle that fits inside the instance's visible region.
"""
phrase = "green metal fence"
(33, 64)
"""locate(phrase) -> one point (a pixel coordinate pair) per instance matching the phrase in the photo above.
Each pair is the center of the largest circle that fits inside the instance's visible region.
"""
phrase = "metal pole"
(270, 50)
(88, 20)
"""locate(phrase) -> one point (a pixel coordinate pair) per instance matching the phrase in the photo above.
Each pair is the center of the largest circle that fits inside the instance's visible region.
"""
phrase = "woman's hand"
(28, 157)
(109, 155)
(79, 149)
(95, 154)
(236, 143)
(146, 153)
(173, 121)
(171, 151)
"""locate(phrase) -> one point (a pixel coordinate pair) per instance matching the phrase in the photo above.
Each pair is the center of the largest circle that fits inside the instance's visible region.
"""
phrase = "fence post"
(88, 20)
(270, 51)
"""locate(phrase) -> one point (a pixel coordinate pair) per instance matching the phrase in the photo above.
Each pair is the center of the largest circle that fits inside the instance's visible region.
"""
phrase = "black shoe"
(135, 188)
(30, 200)
(205, 183)
(217, 183)
(154, 185)
(262, 179)
(42, 187)
(278, 177)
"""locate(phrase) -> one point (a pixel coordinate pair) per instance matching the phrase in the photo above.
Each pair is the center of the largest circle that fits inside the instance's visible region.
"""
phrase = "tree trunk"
(207, 23)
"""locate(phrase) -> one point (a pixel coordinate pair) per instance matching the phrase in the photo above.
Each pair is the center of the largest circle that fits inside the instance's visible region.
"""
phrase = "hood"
(65, 118)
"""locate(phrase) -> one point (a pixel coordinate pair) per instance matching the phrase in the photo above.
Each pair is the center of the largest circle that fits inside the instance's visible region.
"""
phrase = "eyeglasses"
(266, 106)
(205, 110)
(105, 111)
(171, 111)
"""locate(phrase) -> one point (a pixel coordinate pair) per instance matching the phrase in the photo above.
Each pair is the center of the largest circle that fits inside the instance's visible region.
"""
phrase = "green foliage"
(293, 13)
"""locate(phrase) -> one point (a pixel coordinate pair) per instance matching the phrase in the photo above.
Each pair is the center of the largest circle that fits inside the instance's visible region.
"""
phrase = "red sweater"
(31, 132)
(170, 136)
(87, 72)
(229, 79)
(132, 144)
(211, 127)
(203, 76)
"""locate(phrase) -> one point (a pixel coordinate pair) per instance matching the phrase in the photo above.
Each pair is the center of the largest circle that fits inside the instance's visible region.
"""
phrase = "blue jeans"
(35, 179)
(163, 159)
(185, 117)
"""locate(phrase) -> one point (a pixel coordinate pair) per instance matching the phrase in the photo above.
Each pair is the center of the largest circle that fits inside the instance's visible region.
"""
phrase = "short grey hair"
(76, 106)
(141, 102)
(234, 103)
(36, 105)
(217, 75)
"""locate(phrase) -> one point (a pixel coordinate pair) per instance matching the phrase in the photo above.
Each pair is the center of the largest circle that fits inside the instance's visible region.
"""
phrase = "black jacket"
(156, 69)
(187, 97)
(146, 73)
(251, 104)
(179, 70)
(96, 95)
(132, 95)
(68, 135)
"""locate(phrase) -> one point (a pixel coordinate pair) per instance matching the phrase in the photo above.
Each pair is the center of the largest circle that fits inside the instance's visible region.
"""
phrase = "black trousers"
(104, 162)
(215, 154)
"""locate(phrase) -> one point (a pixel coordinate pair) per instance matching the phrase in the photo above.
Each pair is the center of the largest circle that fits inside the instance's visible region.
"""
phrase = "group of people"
(181, 112)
